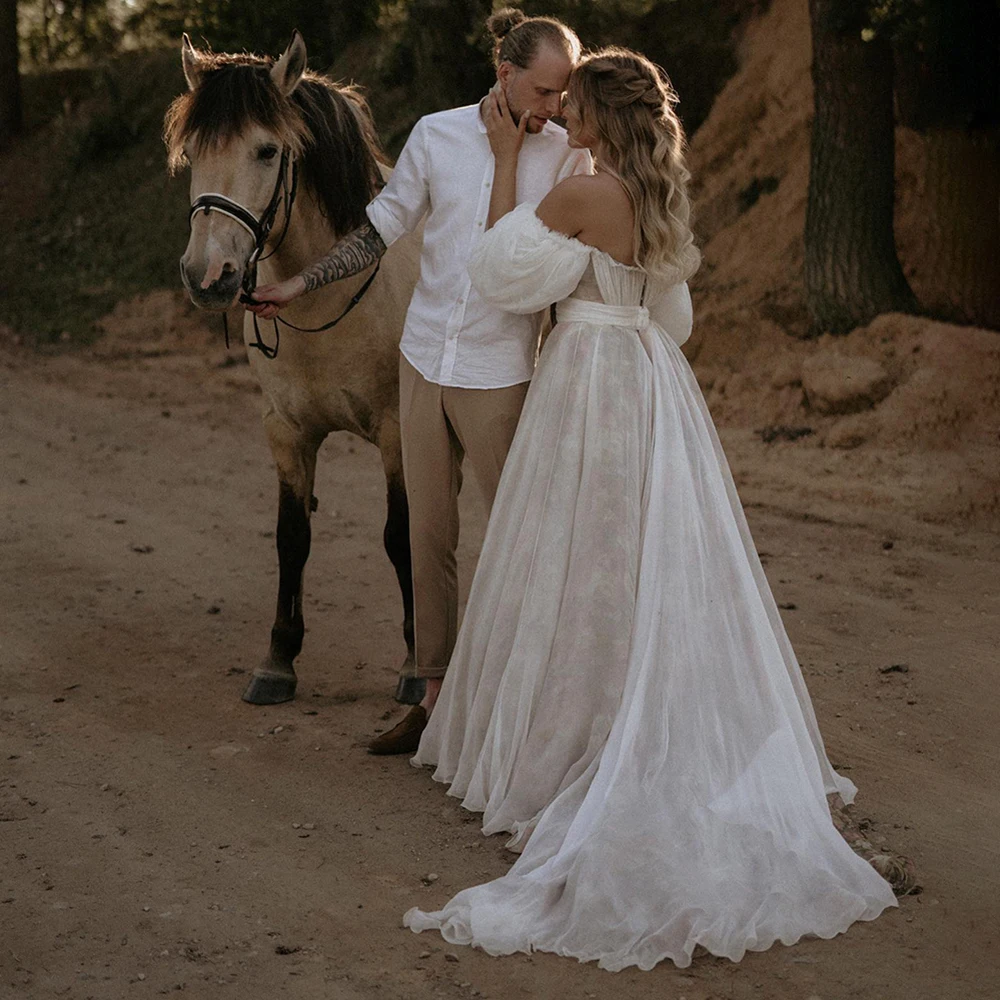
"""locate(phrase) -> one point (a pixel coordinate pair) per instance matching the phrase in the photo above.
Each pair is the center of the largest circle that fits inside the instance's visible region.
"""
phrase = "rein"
(260, 229)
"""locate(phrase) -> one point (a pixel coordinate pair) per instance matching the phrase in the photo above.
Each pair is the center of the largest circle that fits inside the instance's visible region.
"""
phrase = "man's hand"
(355, 252)
(505, 136)
(268, 299)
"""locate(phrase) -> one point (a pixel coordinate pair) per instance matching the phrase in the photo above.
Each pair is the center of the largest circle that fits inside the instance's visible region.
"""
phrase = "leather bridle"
(260, 229)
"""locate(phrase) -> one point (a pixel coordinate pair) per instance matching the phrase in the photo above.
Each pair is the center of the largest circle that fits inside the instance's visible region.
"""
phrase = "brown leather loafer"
(404, 737)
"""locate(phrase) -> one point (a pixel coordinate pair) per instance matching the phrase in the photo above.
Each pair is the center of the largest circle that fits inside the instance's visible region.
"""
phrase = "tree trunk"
(84, 27)
(852, 272)
(948, 91)
(953, 250)
(46, 31)
(11, 113)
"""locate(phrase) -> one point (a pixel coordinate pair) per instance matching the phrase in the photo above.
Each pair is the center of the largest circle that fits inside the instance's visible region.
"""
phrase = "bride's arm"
(522, 266)
(505, 141)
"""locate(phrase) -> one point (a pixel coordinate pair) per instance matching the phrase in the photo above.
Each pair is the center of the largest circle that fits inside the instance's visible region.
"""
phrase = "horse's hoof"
(411, 690)
(270, 689)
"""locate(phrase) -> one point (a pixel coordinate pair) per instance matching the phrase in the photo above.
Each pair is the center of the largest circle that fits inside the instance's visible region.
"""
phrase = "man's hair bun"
(503, 21)
(516, 37)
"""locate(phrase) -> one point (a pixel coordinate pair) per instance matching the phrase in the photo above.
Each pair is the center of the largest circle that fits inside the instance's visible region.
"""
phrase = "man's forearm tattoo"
(352, 255)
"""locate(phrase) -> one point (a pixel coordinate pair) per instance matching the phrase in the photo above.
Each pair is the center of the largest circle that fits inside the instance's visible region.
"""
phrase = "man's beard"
(515, 114)
(533, 125)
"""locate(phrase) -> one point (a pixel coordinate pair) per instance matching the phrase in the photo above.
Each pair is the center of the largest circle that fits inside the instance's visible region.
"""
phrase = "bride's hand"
(268, 299)
(505, 136)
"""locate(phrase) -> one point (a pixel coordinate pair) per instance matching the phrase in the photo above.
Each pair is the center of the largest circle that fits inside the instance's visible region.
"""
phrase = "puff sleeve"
(522, 266)
(669, 306)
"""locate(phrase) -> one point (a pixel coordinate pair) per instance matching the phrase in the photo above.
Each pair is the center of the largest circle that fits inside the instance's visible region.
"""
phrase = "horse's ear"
(288, 70)
(191, 61)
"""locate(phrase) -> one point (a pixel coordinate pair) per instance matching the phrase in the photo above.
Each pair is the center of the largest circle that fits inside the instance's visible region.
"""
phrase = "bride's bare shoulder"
(569, 205)
(595, 210)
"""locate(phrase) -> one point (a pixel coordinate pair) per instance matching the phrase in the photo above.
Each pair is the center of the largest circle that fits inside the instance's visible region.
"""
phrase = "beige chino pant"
(441, 426)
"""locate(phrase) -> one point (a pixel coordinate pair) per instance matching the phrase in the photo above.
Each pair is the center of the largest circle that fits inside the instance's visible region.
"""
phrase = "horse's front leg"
(295, 457)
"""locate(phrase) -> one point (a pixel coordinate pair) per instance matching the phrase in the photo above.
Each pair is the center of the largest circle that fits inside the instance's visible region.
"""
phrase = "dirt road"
(158, 835)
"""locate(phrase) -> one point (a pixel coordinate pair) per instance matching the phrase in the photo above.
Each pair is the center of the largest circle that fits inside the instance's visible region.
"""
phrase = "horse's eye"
(267, 153)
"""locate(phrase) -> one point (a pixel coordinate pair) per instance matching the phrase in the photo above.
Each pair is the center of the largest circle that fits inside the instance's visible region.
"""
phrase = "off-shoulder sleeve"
(669, 305)
(522, 266)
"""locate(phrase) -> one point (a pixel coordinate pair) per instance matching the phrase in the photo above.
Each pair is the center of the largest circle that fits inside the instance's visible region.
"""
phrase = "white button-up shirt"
(445, 171)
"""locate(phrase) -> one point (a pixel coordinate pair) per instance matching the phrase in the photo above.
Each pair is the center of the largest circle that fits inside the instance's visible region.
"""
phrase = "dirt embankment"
(902, 386)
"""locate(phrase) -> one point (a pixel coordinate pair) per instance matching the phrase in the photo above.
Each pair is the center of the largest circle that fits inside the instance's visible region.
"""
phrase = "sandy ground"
(159, 835)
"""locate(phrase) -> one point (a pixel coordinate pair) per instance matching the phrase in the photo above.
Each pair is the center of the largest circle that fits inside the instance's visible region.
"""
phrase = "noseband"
(260, 230)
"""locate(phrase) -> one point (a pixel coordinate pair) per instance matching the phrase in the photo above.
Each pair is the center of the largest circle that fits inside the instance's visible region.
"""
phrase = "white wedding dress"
(623, 697)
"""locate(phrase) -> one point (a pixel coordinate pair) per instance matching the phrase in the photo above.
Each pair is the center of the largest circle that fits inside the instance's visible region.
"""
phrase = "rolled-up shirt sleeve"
(402, 203)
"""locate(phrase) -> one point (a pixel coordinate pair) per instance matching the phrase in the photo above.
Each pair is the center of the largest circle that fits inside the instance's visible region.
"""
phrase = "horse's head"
(238, 128)
(244, 118)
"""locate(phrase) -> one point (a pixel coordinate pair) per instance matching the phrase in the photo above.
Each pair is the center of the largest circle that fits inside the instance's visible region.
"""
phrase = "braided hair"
(629, 104)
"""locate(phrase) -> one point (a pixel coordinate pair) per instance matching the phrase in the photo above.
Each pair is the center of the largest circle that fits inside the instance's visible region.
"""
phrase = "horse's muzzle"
(221, 294)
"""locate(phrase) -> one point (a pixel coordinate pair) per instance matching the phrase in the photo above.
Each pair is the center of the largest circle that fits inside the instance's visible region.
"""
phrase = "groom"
(464, 365)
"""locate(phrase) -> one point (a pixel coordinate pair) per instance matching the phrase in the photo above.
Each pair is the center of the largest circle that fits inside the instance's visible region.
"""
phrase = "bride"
(623, 698)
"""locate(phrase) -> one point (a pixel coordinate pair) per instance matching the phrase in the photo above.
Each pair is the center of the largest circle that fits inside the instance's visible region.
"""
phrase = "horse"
(283, 162)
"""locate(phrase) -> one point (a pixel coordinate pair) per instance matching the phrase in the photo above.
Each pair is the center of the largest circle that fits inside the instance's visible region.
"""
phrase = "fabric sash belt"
(581, 311)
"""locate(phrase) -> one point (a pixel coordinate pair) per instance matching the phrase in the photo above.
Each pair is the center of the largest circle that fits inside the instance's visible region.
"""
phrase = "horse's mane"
(327, 126)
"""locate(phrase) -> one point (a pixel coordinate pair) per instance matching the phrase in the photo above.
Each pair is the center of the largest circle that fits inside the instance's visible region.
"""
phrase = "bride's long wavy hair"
(628, 103)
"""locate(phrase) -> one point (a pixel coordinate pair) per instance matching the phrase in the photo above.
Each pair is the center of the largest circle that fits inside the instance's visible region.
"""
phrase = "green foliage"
(95, 222)
(439, 45)
(423, 54)
(60, 31)
(435, 53)
(49, 94)
(56, 31)
(233, 25)
(947, 56)
(118, 121)
(595, 20)
(904, 20)
(890, 20)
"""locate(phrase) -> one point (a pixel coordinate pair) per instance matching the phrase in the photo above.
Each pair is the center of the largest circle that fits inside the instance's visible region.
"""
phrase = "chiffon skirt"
(623, 697)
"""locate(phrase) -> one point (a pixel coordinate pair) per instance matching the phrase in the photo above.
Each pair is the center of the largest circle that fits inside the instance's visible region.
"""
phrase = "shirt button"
(479, 225)
(487, 185)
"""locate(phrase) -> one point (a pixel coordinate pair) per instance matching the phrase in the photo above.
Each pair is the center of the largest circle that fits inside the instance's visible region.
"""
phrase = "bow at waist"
(581, 311)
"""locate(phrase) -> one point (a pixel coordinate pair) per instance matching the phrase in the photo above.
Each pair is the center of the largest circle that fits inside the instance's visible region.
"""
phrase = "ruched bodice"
(607, 280)
(609, 292)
